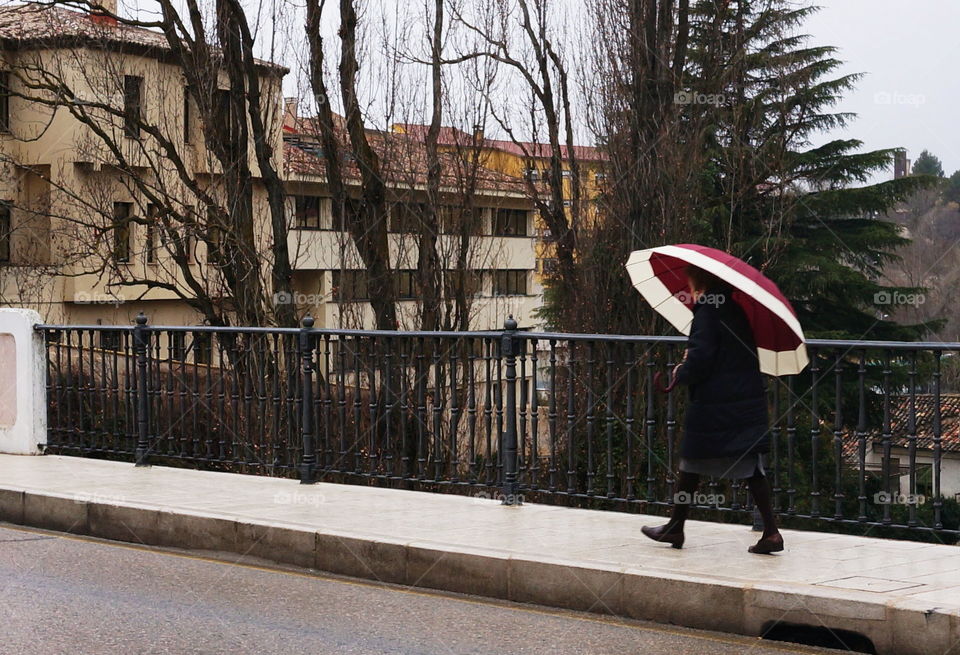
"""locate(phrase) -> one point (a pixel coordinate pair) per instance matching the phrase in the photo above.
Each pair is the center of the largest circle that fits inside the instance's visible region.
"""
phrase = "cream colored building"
(530, 162)
(62, 187)
(62, 192)
(498, 250)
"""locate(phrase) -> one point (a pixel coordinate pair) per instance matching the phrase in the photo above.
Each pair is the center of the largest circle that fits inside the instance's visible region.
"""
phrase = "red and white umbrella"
(659, 275)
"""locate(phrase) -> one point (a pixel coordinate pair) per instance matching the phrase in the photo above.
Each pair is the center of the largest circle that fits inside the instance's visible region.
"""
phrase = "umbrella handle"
(658, 383)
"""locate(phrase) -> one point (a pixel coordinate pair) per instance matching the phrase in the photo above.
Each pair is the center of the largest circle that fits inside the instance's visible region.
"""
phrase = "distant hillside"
(932, 261)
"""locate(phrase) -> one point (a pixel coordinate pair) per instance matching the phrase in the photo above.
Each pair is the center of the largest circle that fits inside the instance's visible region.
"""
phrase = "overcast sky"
(908, 50)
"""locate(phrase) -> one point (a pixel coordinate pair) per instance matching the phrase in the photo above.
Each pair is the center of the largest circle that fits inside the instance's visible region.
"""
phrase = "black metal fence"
(867, 435)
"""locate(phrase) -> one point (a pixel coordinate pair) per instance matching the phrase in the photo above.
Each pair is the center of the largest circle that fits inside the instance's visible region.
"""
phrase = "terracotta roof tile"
(35, 22)
(450, 136)
(403, 163)
(925, 411)
(45, 25)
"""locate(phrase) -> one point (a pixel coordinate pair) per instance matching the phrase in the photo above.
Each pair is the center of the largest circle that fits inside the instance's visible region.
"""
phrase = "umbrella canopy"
(659, 275)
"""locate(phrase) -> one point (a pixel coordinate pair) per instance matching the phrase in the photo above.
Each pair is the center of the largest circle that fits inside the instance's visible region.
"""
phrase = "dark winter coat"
(727, 410)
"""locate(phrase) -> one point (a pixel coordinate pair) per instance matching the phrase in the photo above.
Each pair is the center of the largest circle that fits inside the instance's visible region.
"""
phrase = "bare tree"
(544, 75)
(181, 198)
(368, 226)
(428, 266)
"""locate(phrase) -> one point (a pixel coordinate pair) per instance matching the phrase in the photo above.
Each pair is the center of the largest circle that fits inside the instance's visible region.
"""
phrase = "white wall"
(23, 392)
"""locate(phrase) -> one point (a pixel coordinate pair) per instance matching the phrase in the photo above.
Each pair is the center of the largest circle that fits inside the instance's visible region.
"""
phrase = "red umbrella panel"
(659, 274)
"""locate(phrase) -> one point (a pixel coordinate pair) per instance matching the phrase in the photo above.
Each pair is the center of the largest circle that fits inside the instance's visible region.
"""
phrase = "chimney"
(478, 133)
(290, 108)
(108, 13)
(901, 165)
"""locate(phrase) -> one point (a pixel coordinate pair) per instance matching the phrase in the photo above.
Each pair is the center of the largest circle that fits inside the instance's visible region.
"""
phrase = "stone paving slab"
(904, 596)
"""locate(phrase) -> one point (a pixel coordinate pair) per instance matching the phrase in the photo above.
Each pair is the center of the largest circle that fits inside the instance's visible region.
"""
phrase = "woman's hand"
(673, 380)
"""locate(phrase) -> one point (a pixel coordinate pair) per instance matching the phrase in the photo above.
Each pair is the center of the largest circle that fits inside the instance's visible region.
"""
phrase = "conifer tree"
(928, 164)
(806, 214)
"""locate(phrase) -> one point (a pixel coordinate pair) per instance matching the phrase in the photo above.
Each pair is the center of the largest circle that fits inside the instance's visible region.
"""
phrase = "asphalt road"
(65, 594)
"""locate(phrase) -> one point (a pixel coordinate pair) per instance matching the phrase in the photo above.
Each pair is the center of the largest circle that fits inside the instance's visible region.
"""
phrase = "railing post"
(141, 343)
(508, 349)
(308, 460)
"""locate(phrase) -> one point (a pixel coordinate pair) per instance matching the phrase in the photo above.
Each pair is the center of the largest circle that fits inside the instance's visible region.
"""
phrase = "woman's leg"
(672, 531)
(686, 487)
(760, 489)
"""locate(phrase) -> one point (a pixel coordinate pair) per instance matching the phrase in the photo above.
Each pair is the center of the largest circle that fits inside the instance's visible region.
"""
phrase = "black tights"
(759, 489)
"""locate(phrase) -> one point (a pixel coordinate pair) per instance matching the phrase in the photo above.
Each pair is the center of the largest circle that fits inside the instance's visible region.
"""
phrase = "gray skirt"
(735, 467)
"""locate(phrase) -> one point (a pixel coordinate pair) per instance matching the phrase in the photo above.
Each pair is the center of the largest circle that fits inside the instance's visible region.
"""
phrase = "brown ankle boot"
(767, 545)
(665, 533)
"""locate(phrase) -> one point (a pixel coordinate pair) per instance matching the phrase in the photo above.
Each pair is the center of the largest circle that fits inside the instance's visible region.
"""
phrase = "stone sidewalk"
(904, 596)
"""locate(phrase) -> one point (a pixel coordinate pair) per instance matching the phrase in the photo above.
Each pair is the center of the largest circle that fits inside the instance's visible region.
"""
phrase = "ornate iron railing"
(867, 435)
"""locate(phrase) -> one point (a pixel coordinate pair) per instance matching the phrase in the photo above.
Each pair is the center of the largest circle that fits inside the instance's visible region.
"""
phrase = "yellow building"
(528, 162)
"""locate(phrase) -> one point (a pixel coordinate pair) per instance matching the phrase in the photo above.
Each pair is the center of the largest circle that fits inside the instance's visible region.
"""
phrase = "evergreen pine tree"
(805, 214)
(951, 190)
(928, 164)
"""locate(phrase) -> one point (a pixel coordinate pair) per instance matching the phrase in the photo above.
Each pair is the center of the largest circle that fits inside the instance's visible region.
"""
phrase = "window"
(454, 219)
(187, 237)
(215, 235)
(510, 283)
(109, 340)
(545, 234)
(121, 231)
(178, 347)
(549, 266)
(4, 101)
(183, 245)
(132, 105)
(925, 480)
(599, 177)
(186, 115)
(202, 348)
(349, 286)
(510, 222)
(310, 147)
(307, 212)
(406, 217)
(893, 472)
(532, 174)
(214, 244)
(405, 285)
(351, 211)
(565, 173)
(450, 218)
(152, 231)
(470, 281)
(5, 230)
(228, 121)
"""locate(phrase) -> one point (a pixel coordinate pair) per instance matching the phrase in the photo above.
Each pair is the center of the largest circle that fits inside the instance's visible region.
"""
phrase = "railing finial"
(307, 321)
(141, 318)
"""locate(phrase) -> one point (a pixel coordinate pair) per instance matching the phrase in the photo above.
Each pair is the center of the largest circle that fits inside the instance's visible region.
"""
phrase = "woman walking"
(726, 425)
